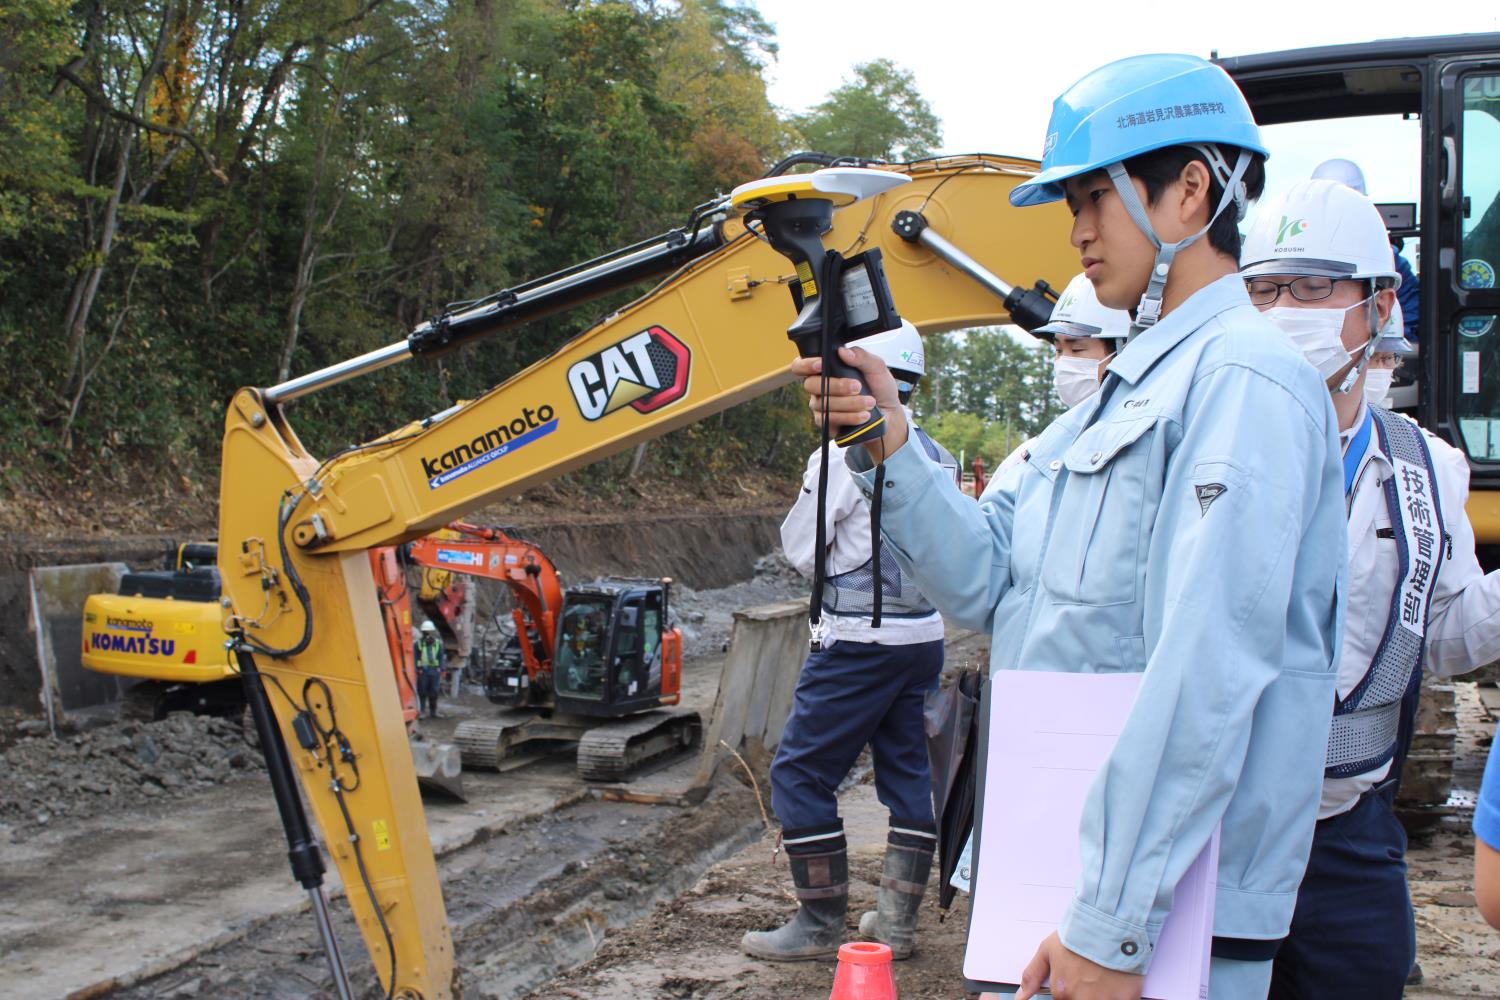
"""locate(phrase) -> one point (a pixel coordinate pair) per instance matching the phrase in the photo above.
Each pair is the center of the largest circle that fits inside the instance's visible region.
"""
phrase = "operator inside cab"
(580, 657)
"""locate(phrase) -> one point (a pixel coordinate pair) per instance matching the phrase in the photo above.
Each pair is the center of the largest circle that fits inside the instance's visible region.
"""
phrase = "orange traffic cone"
(864, 973)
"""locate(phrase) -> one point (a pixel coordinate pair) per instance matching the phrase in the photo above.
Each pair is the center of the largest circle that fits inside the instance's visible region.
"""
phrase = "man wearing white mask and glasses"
(1318, 264)
(1389, 347)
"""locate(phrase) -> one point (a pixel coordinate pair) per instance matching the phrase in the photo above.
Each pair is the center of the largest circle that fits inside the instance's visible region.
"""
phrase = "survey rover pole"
(302, 849)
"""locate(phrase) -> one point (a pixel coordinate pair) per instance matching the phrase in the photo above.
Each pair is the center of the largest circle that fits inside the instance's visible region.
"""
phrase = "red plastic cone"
(864, 973)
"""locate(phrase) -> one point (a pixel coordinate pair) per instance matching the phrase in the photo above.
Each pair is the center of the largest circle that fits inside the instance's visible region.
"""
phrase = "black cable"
(828, 352)
(879, 583)
(333, 739)
(350, 449)
(299, 590)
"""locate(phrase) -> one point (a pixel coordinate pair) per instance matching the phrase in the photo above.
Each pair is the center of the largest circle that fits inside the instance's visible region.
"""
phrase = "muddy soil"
(523, 903)
(688, 949)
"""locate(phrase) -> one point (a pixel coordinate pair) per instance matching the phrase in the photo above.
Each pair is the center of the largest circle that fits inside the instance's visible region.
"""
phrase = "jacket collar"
(1156, 342)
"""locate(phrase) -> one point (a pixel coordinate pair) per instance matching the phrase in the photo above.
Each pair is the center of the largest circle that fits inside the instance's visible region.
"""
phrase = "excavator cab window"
(1477, 402)
(1421, 116)
(637, 660)
(629, 655)
(581, 669)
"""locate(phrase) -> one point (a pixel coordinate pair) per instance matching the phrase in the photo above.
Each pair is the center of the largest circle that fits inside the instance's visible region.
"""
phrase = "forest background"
(200, 195)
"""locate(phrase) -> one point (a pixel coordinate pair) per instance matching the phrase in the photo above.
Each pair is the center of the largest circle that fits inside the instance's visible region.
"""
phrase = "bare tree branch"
(104, 104)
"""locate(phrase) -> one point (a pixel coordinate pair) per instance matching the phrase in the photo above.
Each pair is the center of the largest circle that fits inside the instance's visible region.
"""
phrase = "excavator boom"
(294, 528)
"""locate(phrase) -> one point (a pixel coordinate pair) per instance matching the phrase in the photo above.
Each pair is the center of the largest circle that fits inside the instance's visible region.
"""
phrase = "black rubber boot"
(908, 863)
(817, 928)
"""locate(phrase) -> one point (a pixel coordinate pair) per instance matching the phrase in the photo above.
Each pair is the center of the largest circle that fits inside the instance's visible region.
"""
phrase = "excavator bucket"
(439, 767)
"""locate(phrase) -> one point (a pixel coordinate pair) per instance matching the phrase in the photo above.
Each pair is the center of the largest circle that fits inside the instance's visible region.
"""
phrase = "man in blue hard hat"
(1206, 469)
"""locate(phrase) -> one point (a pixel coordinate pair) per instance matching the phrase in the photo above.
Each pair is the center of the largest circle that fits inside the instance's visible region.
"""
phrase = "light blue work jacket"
(1187, 521)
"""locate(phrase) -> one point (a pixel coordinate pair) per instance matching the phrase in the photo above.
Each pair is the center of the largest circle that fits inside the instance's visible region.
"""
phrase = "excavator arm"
(523, 567)
(295, 528)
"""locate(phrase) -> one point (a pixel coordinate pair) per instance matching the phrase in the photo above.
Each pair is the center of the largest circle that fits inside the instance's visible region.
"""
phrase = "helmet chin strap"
(1149, 309)
(1367, 352)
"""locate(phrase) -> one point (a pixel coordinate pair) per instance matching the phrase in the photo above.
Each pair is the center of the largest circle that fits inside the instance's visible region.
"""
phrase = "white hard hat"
(1079, 314)
(428, 627)
(1345, 172)
(901, 350)
(1320, 227)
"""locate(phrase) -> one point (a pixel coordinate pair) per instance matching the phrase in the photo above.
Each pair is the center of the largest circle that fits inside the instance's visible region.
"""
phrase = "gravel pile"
(707, 616)
(42, 779)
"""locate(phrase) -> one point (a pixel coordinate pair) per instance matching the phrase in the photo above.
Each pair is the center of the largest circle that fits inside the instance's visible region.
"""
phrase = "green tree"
(878, 115)
(985, 392)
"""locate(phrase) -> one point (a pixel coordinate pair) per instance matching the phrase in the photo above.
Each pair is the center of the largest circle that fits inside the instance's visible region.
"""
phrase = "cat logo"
(645, 371)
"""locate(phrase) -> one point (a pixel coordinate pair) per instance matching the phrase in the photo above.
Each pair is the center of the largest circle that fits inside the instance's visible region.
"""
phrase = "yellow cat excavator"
(294, 527)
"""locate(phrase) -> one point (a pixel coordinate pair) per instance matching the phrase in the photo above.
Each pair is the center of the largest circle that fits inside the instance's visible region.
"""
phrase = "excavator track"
(621, 749)
(483, 743)
(517, 738)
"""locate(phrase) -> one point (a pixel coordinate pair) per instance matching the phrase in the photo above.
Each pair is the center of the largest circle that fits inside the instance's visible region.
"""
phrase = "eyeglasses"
(1307, 288)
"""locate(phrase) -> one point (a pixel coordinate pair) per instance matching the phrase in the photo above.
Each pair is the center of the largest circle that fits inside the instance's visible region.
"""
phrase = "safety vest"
(852, 594)
(429, 653)
(1366, 724)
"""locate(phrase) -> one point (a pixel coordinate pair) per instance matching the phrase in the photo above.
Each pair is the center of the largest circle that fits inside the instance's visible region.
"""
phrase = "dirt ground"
(168, 876)
(688, 949)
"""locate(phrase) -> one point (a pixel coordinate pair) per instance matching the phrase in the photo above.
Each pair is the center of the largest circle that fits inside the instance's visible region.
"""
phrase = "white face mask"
(1317, 333)
(1075, 379)
(1378, 384)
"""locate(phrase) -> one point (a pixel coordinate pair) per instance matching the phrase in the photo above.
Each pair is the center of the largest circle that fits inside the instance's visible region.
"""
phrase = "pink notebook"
(1026, 868)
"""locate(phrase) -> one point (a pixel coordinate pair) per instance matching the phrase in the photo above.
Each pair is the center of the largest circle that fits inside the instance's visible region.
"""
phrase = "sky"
(990, 70)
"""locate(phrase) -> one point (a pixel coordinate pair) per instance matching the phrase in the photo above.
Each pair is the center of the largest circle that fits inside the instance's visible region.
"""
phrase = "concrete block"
(57, 594)
(767, 648)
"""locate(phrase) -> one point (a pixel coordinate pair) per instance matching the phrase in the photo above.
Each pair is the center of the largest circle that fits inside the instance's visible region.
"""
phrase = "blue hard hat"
(1133, 106)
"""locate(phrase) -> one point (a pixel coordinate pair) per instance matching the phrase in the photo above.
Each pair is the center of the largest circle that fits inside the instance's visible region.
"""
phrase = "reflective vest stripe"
(1366, 723)
(429, 654)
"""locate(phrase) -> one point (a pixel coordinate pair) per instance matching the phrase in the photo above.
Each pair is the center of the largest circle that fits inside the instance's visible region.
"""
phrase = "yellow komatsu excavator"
(294, 527)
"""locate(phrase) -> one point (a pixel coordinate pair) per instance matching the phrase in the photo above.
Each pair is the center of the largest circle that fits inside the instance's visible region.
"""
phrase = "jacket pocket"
(1093, 552)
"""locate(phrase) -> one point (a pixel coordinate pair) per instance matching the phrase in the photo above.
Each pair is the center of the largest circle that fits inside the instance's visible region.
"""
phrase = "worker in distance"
(428, 650)
(866, 684)
(1318, 264)
(1201, 490)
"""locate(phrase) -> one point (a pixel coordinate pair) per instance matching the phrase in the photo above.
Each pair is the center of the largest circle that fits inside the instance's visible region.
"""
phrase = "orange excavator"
(591, 666)
(439, 765)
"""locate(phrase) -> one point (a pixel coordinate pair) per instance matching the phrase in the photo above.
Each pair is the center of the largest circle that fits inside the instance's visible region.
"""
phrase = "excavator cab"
(612, 649)
(1422, 115)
